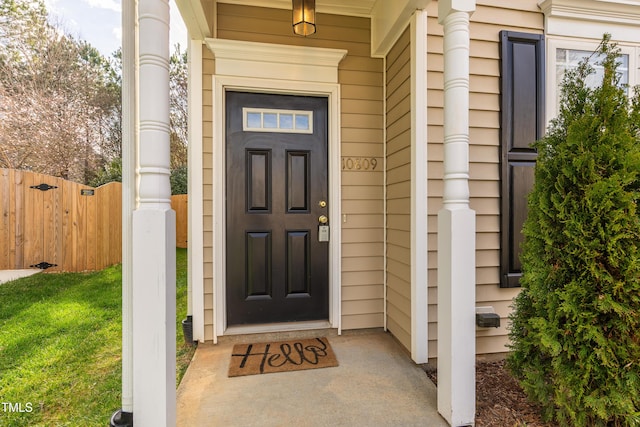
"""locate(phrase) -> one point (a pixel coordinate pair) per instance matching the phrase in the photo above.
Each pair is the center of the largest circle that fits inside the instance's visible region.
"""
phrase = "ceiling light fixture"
(304, 17)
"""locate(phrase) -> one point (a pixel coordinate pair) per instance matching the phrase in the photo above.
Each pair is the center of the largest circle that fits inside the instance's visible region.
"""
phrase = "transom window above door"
(273, 120)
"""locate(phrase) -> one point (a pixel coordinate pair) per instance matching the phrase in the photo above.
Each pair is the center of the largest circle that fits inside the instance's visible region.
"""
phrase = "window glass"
(270, 120)
(302, 122)
(568, 59)
(286, 121)
(566, 54)
(254, 120)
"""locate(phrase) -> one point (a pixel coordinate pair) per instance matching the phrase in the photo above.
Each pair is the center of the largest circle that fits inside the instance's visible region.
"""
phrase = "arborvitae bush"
(179, 179)
(575, 336)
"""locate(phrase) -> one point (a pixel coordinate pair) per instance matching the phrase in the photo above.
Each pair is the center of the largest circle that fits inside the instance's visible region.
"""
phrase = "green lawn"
(60, 346)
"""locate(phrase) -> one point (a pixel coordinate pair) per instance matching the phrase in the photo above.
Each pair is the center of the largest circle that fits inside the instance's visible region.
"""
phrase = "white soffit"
(194, 18)
(389, 19)
(274, 61)
(592, 18)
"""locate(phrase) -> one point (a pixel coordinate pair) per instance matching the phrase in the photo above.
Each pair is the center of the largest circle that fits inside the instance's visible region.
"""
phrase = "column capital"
(447, 7)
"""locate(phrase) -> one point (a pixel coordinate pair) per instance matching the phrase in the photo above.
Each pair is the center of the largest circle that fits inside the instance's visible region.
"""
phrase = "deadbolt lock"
(322, 219)
(322, 204)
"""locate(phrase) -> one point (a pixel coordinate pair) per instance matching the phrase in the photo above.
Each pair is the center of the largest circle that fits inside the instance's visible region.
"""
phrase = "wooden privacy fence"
(179, 203)
(48, 221)
(59, 225)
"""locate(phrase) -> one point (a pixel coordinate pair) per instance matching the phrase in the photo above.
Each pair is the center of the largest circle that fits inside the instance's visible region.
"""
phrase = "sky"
(100, 22)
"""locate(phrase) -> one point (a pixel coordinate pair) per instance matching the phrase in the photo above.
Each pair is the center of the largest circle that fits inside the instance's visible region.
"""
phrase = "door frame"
(277, 188)
(220, 85)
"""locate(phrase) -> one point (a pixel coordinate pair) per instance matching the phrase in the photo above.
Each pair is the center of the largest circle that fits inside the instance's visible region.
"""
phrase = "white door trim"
(283, 69)
(195, 237)
(332, 92)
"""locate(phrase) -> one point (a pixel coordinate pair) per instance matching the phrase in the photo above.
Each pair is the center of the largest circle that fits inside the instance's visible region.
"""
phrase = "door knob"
(322, 219)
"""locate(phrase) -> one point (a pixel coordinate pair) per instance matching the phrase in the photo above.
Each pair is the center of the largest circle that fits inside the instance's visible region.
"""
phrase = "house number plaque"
(360, 163)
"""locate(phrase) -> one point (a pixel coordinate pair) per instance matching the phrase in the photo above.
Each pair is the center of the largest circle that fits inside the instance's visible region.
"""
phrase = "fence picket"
(6, 235)
(33, 236)
(18, 217)
(113, 225)
(179, 203)
(91, 228)
(49, 213)
(68, 263)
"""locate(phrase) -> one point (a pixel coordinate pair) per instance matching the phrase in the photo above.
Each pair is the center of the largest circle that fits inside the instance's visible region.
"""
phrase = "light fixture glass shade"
(304, 17)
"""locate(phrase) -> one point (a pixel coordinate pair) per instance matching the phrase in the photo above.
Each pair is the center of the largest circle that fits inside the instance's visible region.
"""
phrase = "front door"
(276, 186)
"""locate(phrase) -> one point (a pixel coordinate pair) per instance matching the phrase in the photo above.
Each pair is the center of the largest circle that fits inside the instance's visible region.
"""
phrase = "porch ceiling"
(338, 7)
(388, 17)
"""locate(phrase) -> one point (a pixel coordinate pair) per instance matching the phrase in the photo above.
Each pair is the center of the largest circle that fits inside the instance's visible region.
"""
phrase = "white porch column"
(124, 417)
(456, 228)
(154, 224)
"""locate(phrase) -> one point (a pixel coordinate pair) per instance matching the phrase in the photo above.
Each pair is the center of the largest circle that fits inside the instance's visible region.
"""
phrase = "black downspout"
(121, 419)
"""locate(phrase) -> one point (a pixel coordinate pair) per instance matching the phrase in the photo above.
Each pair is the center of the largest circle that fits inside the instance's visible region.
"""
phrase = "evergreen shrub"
(575, 336)
(179, 180)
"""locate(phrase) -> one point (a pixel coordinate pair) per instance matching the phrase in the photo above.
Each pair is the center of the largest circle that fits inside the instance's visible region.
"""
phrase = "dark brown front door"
(276, 186)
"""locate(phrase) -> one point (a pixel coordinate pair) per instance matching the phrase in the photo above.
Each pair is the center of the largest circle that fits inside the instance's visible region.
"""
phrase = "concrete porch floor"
(376, 384)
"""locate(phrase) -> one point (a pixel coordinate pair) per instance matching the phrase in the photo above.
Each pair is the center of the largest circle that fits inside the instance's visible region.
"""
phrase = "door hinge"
(43, 187)
(43, 265)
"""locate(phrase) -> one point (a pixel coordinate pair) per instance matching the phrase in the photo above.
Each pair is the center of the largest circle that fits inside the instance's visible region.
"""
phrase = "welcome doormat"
(282, 356)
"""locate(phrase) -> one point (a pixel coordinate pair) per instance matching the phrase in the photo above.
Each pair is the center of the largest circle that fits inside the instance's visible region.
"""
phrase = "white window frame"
(555, 43)
(278, 128)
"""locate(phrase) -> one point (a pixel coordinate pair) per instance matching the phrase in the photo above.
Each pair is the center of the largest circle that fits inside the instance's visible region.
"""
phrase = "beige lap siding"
(398, 80)
(207, 188)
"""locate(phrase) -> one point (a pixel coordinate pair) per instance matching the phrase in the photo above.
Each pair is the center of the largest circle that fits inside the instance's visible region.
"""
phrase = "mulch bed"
(500, 401)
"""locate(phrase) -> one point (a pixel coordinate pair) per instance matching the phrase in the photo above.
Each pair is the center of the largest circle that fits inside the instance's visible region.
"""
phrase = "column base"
(456, 316)
(121, 419)
(154, 316)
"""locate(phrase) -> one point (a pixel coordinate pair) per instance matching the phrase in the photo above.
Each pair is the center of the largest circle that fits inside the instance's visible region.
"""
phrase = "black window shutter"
(522, 122)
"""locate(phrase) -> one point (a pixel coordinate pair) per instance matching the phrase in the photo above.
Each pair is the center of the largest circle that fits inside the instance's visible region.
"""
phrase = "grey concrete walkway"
(8, 275)
(375, 385)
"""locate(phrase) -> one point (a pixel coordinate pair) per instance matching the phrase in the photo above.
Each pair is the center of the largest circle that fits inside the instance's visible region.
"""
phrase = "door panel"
(258, 180)
(298, 258)
(298, 182)
(277, 270)
(258, 265)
